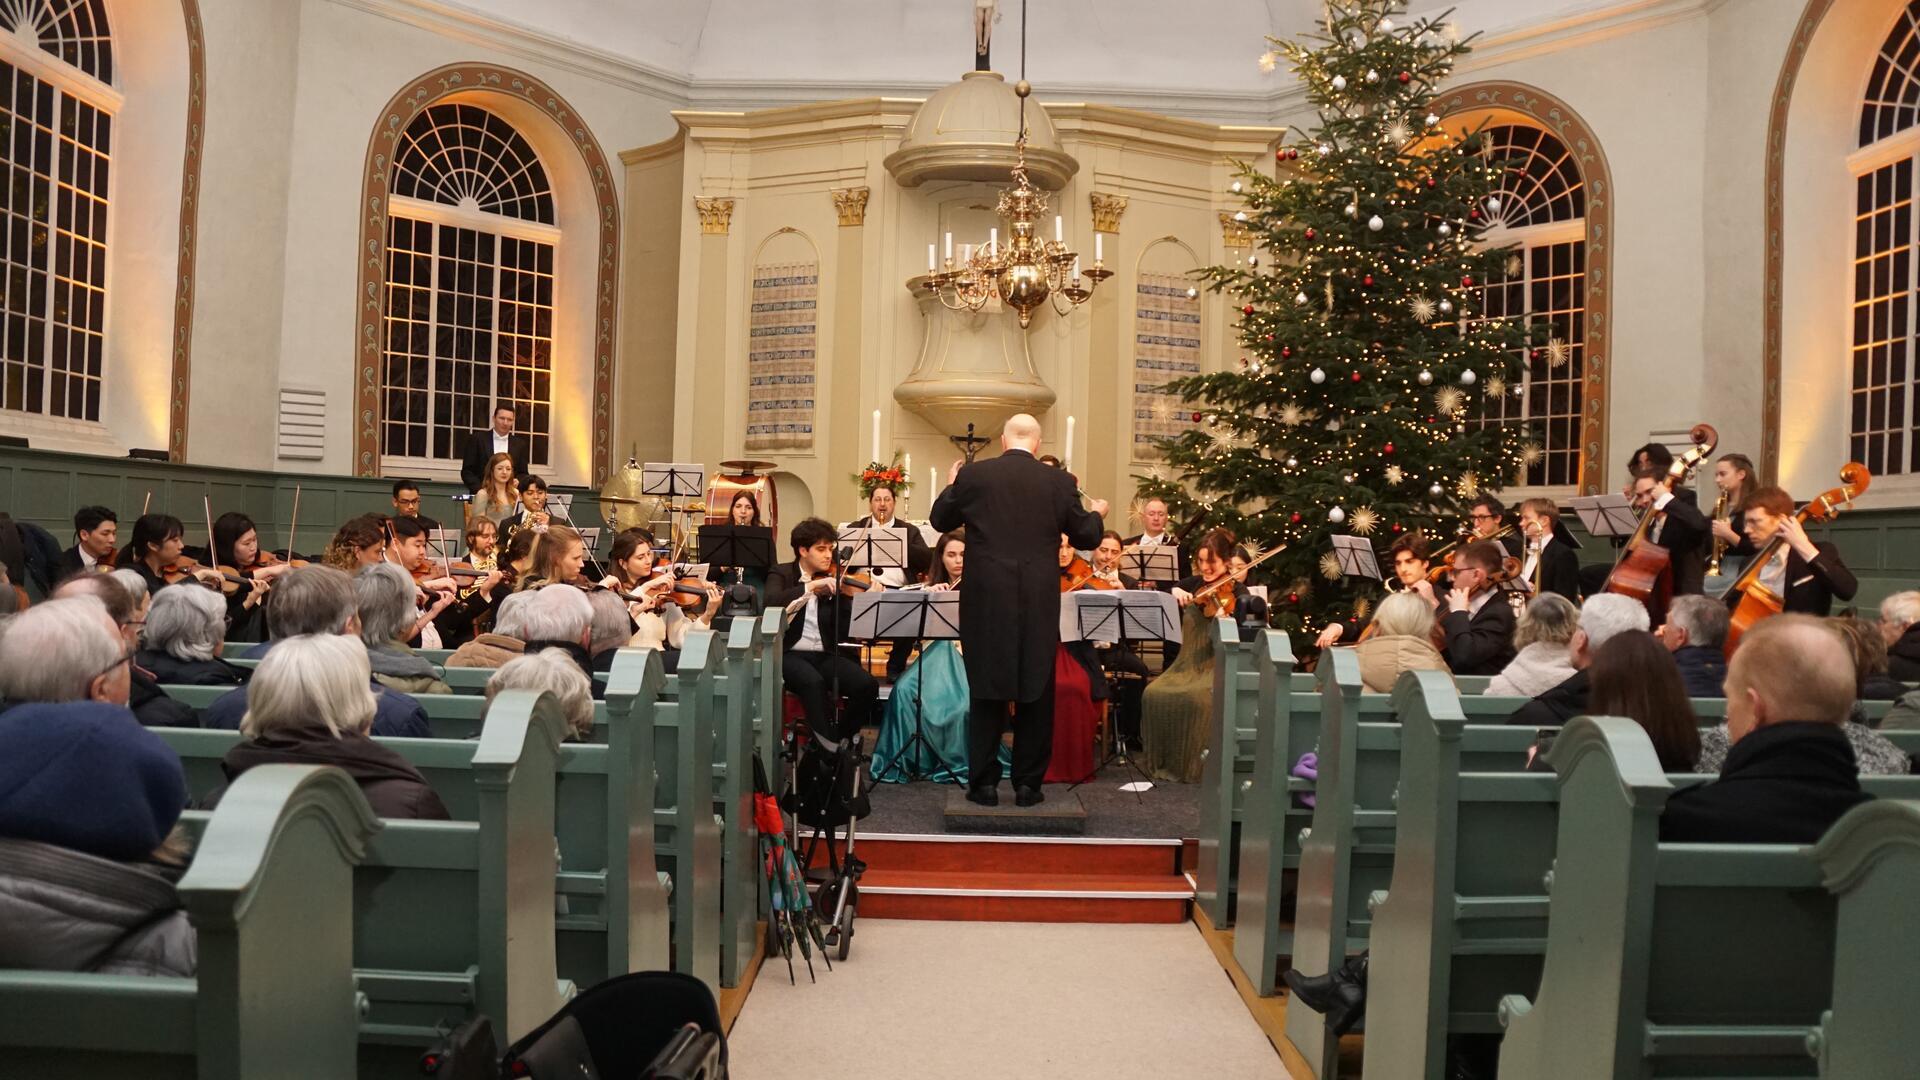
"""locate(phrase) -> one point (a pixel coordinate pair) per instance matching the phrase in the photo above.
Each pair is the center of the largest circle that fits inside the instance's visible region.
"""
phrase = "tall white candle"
(949, 247)
(876, 435)
(1096, 249)
(933, 484)
(1059, 233)
(1069, 454)
(932, 263)
(906, 469)
(993, 238)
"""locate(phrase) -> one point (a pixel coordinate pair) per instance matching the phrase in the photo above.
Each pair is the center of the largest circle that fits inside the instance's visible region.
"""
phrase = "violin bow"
(206, 506)
(146, 502)
(1234, 575)
(293, 523)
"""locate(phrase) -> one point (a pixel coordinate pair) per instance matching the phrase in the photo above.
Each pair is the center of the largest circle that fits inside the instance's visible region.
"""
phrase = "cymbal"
(748, 466)
(622, 500)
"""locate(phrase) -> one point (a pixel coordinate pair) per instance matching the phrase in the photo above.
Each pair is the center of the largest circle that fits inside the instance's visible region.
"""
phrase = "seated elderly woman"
(186, 631)
(1400, 639)
(1543, 635)
(559, 617)
(387, 615)
(502, 643)
(553, 671)
(310, 703)
(90, 891)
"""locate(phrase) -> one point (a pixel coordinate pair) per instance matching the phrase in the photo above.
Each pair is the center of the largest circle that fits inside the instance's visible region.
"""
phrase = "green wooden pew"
(1708, 959)
(1226, 770)
(270, 897)
(1870, 860)
(734, 691)
(686, 832)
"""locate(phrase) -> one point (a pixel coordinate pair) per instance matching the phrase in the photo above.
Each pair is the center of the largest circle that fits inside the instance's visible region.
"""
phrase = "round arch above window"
(1556, 205)
(1892, 100)
(73, 30)
(463, 155)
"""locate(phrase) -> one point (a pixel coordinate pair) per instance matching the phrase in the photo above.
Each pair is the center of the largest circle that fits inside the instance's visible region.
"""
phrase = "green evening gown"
(1176, 711)
(938, 677)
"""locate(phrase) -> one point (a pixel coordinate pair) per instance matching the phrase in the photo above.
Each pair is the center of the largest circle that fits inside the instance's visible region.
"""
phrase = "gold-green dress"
(1176, 712)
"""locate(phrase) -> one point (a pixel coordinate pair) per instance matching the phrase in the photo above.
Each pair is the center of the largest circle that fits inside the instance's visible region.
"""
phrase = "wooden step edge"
(990, 838)
(1028, 894)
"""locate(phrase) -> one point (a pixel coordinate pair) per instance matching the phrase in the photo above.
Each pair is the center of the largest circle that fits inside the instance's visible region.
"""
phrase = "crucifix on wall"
(985, 14)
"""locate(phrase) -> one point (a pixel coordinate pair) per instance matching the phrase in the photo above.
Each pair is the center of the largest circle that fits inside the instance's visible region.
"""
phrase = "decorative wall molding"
(1566, 125)
(181, 378)
(851, 205)
(399, 112)
(716, 214)
(1235, 233)
(1107, 210)
(1775, 267)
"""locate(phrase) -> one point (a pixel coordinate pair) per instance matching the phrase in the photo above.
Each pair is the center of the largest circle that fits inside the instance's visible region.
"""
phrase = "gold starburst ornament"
(1365, 521)
(1398, 134)
(1395, 475)
(1496, 387)
(1292, 415)
(1469, 486)
(1558, 353)
(1531, 454)
(1330, 566)
(1361, 607)
(1449, 400)
(1423, 309)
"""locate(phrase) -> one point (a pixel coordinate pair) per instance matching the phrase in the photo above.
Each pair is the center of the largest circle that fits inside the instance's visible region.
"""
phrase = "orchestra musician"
(1550, 563)
(1678, 526)
(1127, 674)
(808, 589)
(880, 506)
(236, 546)
(1486, 516)
(1478, 625)
(499, 494)
(475, 462)
(1737, 480)
(406, 503)
(358, 542)
(155, 553)
(1410, 565)
(533, 508)
(1806, 575)
(1154, 533)
(96, 530)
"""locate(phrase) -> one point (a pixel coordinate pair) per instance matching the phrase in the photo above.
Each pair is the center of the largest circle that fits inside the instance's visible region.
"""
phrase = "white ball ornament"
(1300, 298)
(1336, 515)
(1353, 210)
(1468, 378)
(1293, 463)
(1375, 223)
(1436, 491)
(1324, 149)
(1339, 82)
(1446, 307)
(1317, 376)
(1493, 204)
(1425, 377)
(1386, 24)
(1432, 119)
(1446, 229)
(1373, 76)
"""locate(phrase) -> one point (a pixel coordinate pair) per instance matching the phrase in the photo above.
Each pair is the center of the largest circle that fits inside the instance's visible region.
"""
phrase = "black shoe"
(1340, 995)
(1028, 796)
(985, 796)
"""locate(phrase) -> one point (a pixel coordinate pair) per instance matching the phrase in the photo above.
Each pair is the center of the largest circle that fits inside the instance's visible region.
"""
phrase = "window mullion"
(52, 174)
(493, 333)
(433, 335)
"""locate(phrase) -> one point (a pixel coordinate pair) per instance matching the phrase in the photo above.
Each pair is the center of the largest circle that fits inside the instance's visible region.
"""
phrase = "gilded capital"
(716, 214)
(1236, 232)
(851, 205)
(1107, 210)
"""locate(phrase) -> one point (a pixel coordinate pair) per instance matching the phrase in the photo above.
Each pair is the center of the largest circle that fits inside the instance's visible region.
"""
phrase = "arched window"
(1542, 208)
(470, 271)
(57, 105)
(1884, 432)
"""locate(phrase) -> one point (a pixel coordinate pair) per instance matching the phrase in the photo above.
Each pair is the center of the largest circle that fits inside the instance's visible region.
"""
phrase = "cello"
(1758, 602)
(1645, 569)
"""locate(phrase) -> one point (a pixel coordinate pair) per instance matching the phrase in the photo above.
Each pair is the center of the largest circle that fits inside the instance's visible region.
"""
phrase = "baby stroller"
(826, 789)
(649, 1025)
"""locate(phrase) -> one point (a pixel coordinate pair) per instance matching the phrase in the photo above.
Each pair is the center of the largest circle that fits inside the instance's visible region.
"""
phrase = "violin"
(184, 568)
(1645, 569)
(1758, 602)
(1220, 598)
(1452, 551)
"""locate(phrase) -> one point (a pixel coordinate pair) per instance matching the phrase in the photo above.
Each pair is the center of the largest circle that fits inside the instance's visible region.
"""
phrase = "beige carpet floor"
(1026, 1001)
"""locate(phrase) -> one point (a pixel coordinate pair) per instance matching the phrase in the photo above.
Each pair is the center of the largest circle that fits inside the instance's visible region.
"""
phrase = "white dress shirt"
(502, 444)
(810, 640)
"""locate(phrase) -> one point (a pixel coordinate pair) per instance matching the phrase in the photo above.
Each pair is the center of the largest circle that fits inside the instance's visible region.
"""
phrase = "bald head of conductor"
(1022, 432)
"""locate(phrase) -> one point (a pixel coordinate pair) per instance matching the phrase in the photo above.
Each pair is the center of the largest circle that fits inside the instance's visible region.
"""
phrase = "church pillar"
(707, 441)
(849, 431)
(1109, 371)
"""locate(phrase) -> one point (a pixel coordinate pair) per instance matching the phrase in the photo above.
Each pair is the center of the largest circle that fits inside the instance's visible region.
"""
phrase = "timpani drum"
(753, 477)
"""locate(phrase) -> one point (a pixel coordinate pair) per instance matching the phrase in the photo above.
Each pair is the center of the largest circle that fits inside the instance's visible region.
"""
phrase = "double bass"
(1758, 602)
(1645, 569)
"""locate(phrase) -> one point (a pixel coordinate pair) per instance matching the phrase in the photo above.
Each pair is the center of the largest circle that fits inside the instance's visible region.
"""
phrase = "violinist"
(1177, 709)
(1411, 563)
(658, 621)
(1678, 526)
(807, 589)
(95, 532)
(1806, 575)
(1127, 674)
(533, 508)
(358, 542)
(1550, 564)
(1106, 561)
(558, 556)
(154, 552)
(1478, 625)
(433, 592)
(236, 547)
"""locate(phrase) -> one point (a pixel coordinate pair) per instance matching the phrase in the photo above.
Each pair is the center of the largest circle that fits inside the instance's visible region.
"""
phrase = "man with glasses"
(150, 704)
(1479, 626)
(64, 650)
(406, 504)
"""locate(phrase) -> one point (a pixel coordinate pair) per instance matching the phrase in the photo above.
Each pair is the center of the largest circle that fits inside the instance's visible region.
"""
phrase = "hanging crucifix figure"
(985, 14)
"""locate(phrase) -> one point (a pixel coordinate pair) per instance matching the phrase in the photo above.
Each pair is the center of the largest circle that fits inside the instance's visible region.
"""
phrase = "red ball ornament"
(1536, 354)
(1387, 448)
(1367, 281)
(1406, 77)
(1431, 182)
(1310, 233)
(1396, 526)
(1356, 376)
(1467, 281)
(1196, 418)
(1475, 214)
(1269, 339)
(1280, 154)
(1248, 310)
(1293, 598)
(1285, 350)
(1294, 517)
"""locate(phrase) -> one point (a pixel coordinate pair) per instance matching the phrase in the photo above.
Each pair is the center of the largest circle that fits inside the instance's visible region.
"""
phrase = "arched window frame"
(534, 409)
(30, 56)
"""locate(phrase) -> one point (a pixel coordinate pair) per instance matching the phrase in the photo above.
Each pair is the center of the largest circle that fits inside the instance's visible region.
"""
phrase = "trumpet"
(1719, 545)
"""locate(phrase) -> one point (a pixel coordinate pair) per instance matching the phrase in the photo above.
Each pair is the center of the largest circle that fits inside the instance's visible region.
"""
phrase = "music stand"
(1606, 515)
(919, 615)
(1119, 616)
(1356, 557)
(876, 549)
(742, 547)
(1154, 565)
(673, 479)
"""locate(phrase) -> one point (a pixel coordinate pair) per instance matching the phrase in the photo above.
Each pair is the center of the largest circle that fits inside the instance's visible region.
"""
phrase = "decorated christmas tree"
(1363, 366)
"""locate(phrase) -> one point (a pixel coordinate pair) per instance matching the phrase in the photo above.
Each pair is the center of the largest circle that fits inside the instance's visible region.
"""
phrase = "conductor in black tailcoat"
(1014, 509)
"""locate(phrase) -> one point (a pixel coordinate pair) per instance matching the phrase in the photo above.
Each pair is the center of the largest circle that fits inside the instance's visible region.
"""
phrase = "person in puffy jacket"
(88, 854)
(1401, 639)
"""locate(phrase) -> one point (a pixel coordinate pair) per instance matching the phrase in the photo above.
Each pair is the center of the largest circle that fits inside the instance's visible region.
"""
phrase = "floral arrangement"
(892, 475)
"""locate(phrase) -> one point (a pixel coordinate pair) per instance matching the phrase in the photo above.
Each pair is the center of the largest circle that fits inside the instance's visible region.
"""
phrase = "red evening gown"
(1074, 719)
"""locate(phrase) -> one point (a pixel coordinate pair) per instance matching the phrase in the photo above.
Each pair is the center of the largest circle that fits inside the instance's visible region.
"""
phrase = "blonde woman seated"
(1543, 636)
(553, 671)
(1401, 639)
(309, 703)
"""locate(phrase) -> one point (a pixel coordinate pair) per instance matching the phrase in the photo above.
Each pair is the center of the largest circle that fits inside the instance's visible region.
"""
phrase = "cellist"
(1806, 574)
(1678, 526)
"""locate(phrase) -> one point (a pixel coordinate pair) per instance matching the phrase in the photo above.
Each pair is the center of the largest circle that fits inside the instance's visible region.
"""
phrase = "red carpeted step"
(1024, 897)
(1018, 856)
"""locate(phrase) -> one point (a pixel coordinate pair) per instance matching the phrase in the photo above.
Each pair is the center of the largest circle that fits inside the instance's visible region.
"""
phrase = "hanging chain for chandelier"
(1027, 271)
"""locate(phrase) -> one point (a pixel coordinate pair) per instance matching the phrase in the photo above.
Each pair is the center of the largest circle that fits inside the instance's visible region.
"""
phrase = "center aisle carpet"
(1038, 1001)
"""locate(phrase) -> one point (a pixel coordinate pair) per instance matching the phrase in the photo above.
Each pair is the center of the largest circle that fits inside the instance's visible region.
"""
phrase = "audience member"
(1869, 651)
(1478, 621)
(128, 614)
(1696, 633)
(489, 650)
(609, 630)
(1634, 676)
(186, 633)
(63, 650)
(320, 600)
(88, 848)
(311, 703)
(557, 673)
(560, 617)
(1602, 618)
(385, 598)
(1900, 625)
(1401, 639)
(1542, 636)
(1789, 772)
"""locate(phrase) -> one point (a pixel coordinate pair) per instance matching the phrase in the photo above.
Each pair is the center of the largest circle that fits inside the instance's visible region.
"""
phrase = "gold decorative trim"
(1774, 286)
(431, 87)
(1234, 232)
(1574, 132)
(716, 214)
(851, 205)
(1107, 209)
(183, 295)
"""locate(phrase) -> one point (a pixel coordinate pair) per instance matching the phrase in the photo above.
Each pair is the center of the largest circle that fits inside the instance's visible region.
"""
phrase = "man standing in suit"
(1014, 509)
(96, 532)
(1548, 564)
(880, 501)
(1807, 576)
(812, 662)
(498, 439)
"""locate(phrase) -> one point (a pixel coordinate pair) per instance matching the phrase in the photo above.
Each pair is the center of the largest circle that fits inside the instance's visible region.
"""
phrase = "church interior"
(1466, 428)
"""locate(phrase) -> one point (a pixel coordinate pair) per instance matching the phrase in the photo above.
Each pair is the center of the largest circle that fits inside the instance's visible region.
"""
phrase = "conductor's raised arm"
(949, 507)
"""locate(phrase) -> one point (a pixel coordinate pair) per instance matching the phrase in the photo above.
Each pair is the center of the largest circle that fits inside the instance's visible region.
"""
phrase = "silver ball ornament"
(1336, 515)
(1353, 210)
(1432, 119)
(1301, 298)
(1446, 229)
(1436, 491)
(1375, 223)
(1425, 377)
(1293, 463)
(1339, 82)
(1372, 76)
(1317, 376)
(1446, 307)
(1468, 378)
